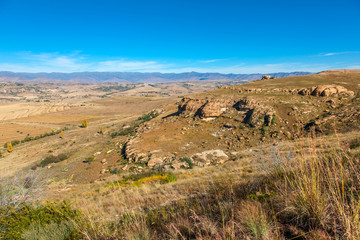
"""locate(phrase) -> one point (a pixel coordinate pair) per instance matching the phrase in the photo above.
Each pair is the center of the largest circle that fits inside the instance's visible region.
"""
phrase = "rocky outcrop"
(214, 109)
(326, 91)
(254, 113)
(190, 106)
(204, 108)
(251, 111)
(209, 157)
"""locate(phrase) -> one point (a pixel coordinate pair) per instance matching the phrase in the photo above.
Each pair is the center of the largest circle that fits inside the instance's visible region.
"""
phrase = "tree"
(102, 130)
(9, 147)
(84, 123)
(62, 134)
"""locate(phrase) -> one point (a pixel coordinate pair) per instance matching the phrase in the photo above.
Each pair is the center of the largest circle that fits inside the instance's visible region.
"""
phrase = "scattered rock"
(210, 157)
(97, 153)
(155, 161)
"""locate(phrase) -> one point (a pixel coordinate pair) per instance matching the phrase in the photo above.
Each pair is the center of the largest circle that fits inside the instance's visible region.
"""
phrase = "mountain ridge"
(136, 77)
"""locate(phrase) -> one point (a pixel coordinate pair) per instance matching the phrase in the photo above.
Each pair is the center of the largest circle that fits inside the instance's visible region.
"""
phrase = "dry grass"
(309, 194)
(9, 132)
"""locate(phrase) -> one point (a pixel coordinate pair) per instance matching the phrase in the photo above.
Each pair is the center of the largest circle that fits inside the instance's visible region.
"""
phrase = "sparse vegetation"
(89, 160)
(130, 130)
(154, 176)
(148, 117)
(28, 138)
(51, 159)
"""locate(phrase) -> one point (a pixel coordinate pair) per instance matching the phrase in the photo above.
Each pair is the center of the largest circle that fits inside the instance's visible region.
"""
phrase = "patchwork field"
(13, 131)
(23, 110)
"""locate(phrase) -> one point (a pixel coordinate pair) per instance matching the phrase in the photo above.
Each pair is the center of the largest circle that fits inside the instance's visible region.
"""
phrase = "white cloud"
(210, 60)
(256, 68)
(55, 62)
(124, 65)
(336, 53)
(77, 62)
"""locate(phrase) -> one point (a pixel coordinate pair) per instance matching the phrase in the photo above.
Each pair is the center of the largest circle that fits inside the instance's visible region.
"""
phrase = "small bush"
(114, 171)
(89, 160)
(355, 143)
(148, 117)
(28, 221)
(51, 159)
(188, 161)
(131, 131)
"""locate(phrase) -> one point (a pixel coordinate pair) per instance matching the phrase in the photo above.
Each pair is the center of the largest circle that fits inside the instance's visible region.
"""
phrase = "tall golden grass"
(308, 193)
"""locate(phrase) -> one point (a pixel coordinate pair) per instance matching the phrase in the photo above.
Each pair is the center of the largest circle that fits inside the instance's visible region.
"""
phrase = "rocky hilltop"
(212, 127)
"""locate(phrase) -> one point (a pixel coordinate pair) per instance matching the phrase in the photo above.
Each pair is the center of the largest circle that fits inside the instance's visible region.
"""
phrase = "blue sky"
(228, 36)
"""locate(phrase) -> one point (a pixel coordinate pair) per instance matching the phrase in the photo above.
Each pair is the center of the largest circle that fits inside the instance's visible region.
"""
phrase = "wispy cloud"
(75, 62)
(124, 65)
(337, 53)
(78, 62)
(255, 68)
(210, 60)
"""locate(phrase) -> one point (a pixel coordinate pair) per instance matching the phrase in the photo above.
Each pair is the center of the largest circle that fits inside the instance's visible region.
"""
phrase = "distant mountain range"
(135, 77)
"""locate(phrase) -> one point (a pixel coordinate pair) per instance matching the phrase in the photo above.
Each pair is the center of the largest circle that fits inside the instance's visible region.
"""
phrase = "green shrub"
(15, 142)
(273, 120)
(149, 116)
(89, 160)
(188, 161)
(27, 220)
(51, 159)
(114, 171)
(130, 131)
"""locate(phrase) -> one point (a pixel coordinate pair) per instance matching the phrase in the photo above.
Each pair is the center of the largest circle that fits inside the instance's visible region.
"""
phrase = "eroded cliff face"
(204, 108)
(253, 112)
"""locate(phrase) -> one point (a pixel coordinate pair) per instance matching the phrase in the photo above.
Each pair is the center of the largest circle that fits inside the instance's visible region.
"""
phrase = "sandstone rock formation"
(210, 157)
(250, 111)
(204, 108)
(326, 91)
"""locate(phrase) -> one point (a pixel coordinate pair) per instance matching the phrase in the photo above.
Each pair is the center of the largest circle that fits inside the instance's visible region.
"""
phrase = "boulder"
(209, 157)
(155, 161)
(212, 109)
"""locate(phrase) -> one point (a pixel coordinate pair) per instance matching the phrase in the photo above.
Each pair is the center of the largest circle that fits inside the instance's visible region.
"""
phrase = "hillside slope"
(211, 127)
